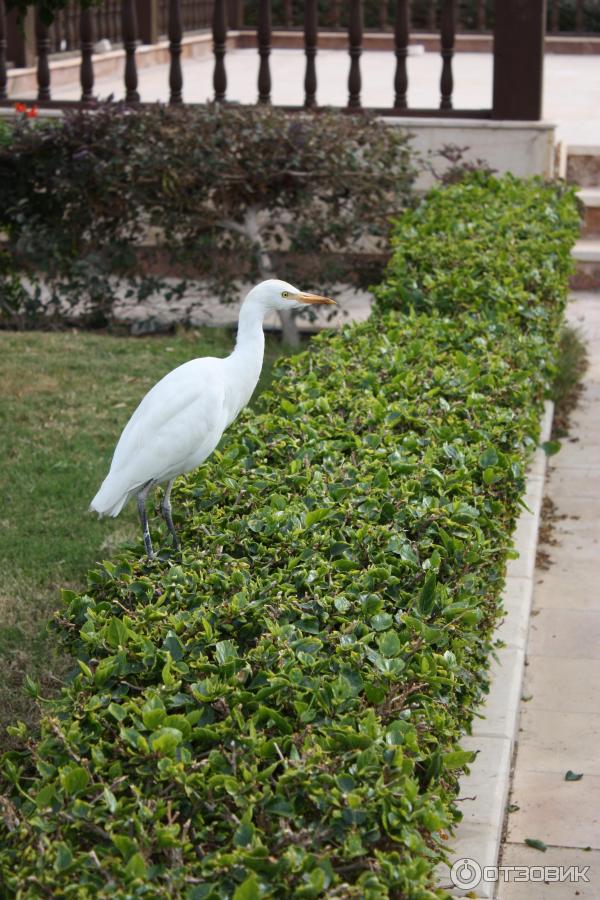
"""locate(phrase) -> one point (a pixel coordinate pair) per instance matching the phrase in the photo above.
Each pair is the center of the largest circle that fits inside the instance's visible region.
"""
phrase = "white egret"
(181, 419)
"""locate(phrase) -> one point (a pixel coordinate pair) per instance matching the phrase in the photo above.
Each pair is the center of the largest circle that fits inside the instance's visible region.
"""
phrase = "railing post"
(447, 41)
(147, 16)
(310, 49)
(264, 50)
(3, 76)
(518, 59)
(129, 29)
(401, 34)
(355, 35)
(86, 36)
(219, 27)
(175, 36)
(42, 40)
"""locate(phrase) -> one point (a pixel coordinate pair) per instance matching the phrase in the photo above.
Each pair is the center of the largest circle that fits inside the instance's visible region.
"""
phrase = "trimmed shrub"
(279, 712)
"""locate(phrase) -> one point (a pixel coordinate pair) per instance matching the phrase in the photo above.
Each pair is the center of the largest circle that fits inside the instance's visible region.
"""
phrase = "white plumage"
(181, 419)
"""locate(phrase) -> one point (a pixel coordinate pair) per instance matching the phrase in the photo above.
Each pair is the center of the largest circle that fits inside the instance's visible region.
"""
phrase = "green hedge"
(279, 712)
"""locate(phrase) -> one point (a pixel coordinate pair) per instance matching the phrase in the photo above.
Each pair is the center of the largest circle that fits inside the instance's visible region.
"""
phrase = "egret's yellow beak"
(316, 299)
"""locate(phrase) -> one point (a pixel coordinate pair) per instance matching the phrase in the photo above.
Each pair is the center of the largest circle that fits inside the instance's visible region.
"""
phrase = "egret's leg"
(165, 509)
(141, 503)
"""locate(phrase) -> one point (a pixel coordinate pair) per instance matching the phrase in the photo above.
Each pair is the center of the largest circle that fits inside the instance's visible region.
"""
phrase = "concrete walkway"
(560, 709)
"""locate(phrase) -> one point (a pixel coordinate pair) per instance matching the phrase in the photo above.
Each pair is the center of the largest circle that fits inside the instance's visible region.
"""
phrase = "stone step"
(586, 254)
(590, 197)
(583, 165)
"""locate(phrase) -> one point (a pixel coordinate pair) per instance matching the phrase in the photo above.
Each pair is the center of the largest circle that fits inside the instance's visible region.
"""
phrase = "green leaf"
(315, 515)
(244, 835)
(64, 858)
(116, 633)
(488, 458)
(573, 776)
(427, 595)
(536, 844)
(456, 759)
(551, 448)
(74, 779)
(109, 799)
(166, 740)
(136, 867)
(389, 644)
(226, 652)
(247, 890)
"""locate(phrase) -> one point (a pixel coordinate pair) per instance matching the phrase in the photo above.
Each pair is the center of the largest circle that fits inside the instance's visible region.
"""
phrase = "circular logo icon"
(465, 873)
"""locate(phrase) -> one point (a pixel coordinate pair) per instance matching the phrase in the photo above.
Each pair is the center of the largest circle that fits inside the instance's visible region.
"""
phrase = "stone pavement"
(560, 709)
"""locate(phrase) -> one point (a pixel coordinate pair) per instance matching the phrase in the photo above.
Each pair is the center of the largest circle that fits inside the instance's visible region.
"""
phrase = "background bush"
(279, 711)
(201, 192)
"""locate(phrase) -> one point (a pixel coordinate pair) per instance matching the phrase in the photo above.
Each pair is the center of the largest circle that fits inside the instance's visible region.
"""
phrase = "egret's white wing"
(180, 420)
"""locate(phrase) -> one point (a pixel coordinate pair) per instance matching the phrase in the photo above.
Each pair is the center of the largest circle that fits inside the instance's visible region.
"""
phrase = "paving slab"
(566, 632)
(563, 683)
(553, 740)
(546, 889)
(563, 589)
(558, 812)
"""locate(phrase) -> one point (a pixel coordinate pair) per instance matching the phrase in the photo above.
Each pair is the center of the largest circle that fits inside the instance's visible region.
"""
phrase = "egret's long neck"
(250, 344)
(244, 365)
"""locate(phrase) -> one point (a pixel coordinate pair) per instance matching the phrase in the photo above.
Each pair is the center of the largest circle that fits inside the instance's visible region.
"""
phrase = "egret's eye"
(285, 294)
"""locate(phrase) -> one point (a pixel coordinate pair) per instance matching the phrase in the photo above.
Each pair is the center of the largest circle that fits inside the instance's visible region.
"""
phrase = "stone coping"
(485, 790)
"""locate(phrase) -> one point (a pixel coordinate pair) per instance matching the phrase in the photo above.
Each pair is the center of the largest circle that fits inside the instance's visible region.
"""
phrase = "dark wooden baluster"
(401, 33)
(554, 16)
(264, 50)
(355, 33)
(219, 26)
(447, 36)
(175, 35)
(310, 49)
(579, 15)
(86, 36)
(129, 30)
(42, 41)
(3, 76)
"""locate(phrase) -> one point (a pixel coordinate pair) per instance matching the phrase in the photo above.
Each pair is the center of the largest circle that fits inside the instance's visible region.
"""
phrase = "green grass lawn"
(64, 399)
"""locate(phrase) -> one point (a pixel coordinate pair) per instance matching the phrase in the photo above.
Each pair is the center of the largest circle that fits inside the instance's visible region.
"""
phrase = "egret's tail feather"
(110, 499)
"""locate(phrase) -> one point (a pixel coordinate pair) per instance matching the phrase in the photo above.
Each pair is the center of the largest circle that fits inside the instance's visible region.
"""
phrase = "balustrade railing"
(518, 53)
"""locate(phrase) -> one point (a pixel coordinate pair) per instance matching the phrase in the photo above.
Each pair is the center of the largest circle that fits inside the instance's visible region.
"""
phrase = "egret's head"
(276, 294)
